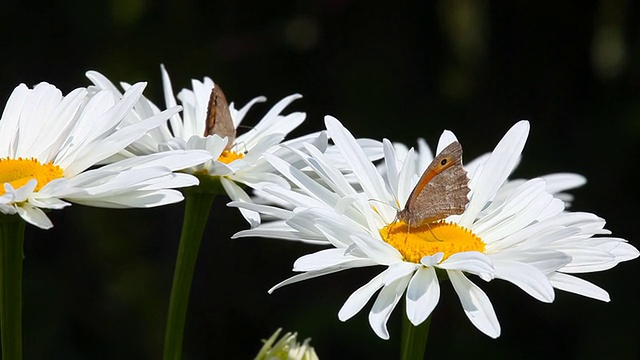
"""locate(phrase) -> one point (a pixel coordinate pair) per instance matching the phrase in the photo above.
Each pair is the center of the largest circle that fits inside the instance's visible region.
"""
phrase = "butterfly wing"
(441, 191)
(219, 119)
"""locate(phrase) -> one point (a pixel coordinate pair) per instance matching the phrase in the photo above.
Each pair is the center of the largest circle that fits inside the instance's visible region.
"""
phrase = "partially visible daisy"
(287, 348)
(50, 141)
(240, 163)
(527, 239)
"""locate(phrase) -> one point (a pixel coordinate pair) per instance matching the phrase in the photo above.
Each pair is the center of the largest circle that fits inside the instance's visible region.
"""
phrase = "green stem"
(11, 247)
(198, 205)
(414, 339)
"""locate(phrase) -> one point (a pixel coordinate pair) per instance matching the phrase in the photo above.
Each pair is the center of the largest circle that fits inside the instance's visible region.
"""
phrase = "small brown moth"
(219, 120)
(441, 191)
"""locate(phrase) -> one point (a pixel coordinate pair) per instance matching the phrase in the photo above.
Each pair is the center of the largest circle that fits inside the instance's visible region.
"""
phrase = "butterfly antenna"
(384, 203)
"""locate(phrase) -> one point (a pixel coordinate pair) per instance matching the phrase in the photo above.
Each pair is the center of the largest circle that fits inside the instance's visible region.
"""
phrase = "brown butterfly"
(441, 191)
(219, 120)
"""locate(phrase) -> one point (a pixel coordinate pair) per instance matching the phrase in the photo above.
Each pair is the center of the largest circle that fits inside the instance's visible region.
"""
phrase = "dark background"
(96, 286)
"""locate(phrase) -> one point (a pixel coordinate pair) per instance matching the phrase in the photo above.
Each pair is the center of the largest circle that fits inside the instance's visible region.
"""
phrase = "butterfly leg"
(432, 233)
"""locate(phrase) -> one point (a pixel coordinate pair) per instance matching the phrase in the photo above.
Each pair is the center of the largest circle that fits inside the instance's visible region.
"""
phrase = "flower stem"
(414, 339)
(198, 205)
(11, 248)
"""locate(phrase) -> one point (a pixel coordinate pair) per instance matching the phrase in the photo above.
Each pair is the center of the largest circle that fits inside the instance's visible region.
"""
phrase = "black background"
(96, 286)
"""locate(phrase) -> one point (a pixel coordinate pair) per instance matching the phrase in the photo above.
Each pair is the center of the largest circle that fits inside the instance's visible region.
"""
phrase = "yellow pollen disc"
(18, 172)
(417, 242)
(229, 156)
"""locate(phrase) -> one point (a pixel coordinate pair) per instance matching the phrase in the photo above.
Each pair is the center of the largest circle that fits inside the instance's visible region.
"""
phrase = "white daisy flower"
(49, 141)
(527, 239)
(240, 162)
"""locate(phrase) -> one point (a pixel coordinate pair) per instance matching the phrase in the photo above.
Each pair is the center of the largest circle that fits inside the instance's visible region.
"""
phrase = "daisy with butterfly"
(209, 122)
(420, 228)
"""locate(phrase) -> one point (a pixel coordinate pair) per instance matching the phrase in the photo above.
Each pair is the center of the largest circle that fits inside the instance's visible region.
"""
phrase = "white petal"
(432, 260)
(625, 252)
(170, 101)
(446, 138)
(238, 115)
(369, 177)
(304, 276)
(563, 181)
(546, 261)
(284, 233)
(519, 210)
(407, 178)
(34, 216)
(133, 199)
(262, 209)
(495, 171)
(376, 249)
(423, 294)
(52, 135)
(360, 297)
(329, 258)
(324, 167)
(385, 303)
(174, 160)
(476, 304)
(578, 286)
(11, 119)
(236, 193)
(302, 181)
(586, 260)
(527, 278)
(400, 270)
(35, 114)
(470, 261)
(48, 203)
(22, 193)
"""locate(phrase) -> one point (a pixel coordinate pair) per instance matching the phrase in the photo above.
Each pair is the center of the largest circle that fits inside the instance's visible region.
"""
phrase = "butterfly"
(441, 191)
(219, 119)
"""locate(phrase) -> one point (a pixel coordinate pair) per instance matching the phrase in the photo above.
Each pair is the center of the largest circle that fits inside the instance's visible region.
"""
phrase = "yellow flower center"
(417, 242)
(229, 156)
(18, 172)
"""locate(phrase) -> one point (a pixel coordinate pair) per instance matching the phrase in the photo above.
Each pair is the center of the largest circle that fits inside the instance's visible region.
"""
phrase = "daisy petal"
(469, 261)
(578, 286)
(527, 278)
(496, 170)
(356, 158)
(360, 297)
(34, 216)
(236, 193)
(423, 294)
(385, 303)
(476, 304)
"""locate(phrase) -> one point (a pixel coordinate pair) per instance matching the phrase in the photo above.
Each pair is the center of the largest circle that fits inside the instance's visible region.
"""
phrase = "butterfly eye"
(443, 162)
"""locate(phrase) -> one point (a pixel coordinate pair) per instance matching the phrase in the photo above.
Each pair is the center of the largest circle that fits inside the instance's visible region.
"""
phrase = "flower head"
(523, 236)
(287, 348)
(241, 162)
(49, 142)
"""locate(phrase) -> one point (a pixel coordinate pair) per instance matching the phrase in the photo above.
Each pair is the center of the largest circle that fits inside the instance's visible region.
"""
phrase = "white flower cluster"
(102, 147)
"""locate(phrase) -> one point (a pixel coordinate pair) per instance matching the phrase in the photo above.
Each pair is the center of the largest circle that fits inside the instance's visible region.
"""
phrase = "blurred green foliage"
(97, 284)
